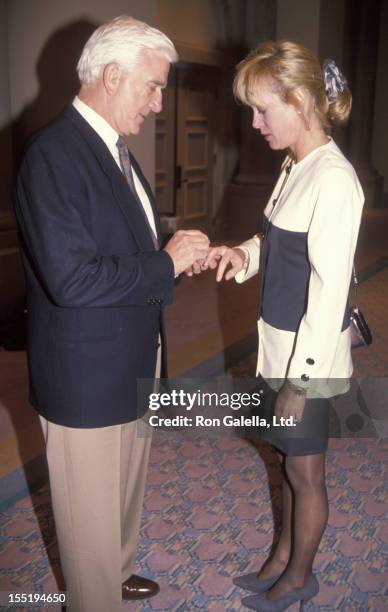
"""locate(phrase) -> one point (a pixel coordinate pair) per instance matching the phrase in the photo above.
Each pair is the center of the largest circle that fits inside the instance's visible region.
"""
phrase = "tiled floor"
(208, 517)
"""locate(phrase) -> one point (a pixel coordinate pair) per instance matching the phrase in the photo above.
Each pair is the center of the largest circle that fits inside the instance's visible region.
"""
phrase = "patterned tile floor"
(208, 512)
(208, 517)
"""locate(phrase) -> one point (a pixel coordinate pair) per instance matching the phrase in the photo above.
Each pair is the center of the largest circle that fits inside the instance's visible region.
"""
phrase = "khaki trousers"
(97, 479)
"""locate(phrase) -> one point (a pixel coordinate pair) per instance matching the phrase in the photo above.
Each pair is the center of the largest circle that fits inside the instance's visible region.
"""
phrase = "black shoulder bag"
(359, 330)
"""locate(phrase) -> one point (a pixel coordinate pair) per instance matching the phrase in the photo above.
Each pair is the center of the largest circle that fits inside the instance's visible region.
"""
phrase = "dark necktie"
(126, 167)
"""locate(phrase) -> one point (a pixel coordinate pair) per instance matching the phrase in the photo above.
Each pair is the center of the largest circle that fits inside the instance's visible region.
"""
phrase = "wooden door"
(185, 148)
(195, 140)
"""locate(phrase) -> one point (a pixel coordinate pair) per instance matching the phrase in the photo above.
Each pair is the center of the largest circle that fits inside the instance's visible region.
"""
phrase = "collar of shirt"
(99, 125)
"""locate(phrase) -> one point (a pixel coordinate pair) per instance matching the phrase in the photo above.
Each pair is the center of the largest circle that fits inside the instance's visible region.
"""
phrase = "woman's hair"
(289, 65)
(122, 40)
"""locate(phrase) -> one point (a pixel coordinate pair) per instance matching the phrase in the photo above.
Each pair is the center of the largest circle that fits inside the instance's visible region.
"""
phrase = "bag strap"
(355, 283)
(354, 277)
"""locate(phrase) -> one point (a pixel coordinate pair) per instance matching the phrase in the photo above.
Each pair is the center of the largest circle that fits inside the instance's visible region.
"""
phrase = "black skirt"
(309, 437)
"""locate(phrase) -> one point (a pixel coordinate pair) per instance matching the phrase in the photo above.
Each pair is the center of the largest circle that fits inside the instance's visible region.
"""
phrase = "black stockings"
(305, 512)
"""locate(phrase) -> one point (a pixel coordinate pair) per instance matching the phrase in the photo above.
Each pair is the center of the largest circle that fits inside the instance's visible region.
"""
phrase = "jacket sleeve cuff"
(252, 250)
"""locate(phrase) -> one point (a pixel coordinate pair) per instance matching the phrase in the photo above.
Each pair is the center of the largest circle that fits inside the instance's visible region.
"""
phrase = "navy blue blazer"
(95, 283)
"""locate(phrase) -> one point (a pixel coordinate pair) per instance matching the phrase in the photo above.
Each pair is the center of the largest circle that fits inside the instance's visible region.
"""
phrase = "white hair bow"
(334, 80)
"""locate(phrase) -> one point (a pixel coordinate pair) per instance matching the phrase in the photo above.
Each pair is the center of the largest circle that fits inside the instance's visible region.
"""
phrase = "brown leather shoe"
(137, 587)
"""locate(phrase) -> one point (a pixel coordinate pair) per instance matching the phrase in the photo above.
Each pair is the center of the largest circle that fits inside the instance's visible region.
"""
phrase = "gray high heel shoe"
(251, 582)
(263, 604)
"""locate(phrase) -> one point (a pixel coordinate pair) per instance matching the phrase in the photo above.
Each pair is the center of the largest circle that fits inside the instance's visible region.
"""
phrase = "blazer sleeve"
(62, 251)
(332, 238)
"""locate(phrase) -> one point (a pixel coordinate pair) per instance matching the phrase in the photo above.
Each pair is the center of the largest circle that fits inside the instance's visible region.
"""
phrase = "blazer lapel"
(122, 193)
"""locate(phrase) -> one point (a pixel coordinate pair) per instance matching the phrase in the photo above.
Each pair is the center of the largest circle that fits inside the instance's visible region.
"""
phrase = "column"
(257, 161)
(5, 120)
(361, 55)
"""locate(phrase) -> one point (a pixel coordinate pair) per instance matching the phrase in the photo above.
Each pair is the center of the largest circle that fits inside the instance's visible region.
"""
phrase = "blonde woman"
(305, 257)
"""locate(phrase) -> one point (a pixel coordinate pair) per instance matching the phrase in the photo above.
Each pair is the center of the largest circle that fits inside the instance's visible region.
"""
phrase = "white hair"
(122, 40)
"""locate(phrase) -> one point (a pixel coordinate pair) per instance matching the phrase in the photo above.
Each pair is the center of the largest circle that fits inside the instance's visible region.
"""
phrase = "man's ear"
(111, 78)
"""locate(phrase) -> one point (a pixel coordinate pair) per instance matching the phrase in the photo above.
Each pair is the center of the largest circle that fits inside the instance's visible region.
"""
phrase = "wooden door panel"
(195, 199)
(197, 149)
(165, 155)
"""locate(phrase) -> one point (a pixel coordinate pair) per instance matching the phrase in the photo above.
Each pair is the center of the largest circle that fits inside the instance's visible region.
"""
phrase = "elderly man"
(97, 280)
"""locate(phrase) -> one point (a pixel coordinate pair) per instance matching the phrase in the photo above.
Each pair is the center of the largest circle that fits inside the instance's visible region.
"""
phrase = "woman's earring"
(305, 120)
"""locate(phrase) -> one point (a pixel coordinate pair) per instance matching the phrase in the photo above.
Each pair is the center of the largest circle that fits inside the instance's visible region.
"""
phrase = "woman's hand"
(224, 256)
(290, 402)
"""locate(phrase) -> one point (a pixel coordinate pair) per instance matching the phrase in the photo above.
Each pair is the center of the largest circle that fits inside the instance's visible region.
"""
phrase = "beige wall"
(191, 22)
(299, 20)
(32, 24)
(39, 66)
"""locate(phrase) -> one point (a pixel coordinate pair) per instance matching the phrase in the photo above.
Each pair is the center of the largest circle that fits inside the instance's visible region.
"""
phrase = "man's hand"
(290, 402)
(224, 256)
(187, 247)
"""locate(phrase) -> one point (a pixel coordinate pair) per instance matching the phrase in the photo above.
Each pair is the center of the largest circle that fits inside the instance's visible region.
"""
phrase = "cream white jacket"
(307, 264)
